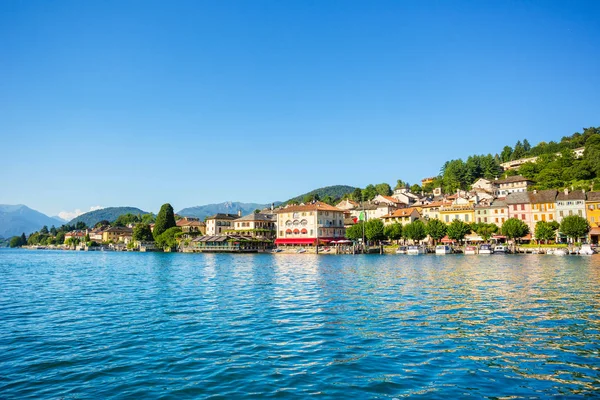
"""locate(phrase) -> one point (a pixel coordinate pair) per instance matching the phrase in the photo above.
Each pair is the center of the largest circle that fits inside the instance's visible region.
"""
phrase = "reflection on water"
(107, 325)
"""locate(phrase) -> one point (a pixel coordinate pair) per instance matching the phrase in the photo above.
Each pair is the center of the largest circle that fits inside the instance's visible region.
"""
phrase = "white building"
(309, 224)
(570, 203)
(219, 223)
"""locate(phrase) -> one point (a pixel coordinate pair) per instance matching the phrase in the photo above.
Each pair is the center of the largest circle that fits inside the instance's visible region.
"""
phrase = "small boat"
(560, 252)
(401, 250)
(275, 250)
(486, 249)
(470, 250)
(443, 249)
(586, 250)
(415, 250)
(301, 250)
(500, 249)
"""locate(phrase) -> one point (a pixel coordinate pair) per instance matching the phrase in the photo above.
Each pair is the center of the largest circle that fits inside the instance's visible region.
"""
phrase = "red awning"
(307, 241)
(595, 231)
(446, 239)
(304, 231)
(499, 237)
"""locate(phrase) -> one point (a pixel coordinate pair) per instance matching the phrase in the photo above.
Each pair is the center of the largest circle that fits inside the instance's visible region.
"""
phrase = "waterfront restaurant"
(311, 224)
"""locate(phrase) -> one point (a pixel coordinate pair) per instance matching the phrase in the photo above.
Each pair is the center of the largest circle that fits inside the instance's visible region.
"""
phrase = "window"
(560, 213)
(485, 219)
(579, 212)
(466, 218)
(496, 212)
(523, 217)
(447, 219)
(570, 212)
(514, 207)
(496, 220)
(535, 217)
(592, 219)
(478, 220)
(522, 207)
(550, 217)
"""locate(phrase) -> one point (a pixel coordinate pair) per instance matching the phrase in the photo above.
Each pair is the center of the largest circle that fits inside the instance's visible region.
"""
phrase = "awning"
(446, 239)
(307, 241)
(499, 237)
(595, 231)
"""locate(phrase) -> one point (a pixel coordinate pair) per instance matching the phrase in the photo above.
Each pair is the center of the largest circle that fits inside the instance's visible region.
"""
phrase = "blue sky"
(107, 103)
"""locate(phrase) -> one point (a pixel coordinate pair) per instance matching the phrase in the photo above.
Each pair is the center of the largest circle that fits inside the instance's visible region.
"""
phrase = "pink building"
(519, 206)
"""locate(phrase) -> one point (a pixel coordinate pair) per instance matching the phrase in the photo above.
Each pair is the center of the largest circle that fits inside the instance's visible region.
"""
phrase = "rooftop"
(316, 206)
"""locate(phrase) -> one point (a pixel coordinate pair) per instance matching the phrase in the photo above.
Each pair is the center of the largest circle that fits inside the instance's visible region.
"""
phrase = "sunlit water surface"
(123, 325)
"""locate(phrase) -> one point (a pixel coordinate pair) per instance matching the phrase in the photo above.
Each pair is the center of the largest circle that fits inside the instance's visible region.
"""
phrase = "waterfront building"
(219, 223)
(463, 212)
(402, 216)
(191, 226)
(226, 244)
(117, 234)
(519, 206)
(75, 235)
(543, 206)
(512, 184)
(431, 210)
(570, 203)
(592, 205)
(256, 225)
(309, 224)
(497, 212)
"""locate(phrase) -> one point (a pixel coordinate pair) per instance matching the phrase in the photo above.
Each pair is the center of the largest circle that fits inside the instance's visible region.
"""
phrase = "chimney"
(272, 206)
(239, 213)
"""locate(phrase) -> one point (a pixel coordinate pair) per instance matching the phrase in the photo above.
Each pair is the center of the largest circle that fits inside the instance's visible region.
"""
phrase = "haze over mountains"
(17, 219)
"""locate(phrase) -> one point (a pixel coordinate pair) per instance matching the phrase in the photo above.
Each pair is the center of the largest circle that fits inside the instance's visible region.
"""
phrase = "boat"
(443, 249)
(415, 250)
(470, 250)
(301, 250)
(500, 249)
(560, 252)
(486, 249)
(275, 250)
(586, 250)
(401, 250)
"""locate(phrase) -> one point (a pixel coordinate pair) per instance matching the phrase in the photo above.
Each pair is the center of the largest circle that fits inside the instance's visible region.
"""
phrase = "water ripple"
(106, 325)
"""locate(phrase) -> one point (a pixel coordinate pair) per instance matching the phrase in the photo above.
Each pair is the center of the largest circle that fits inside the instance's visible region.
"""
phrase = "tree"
(393, 231)
(415, 231)
(574, 227)
(53, 230)
(15, 241)
(383, 189)
(374, 230)
(164, 220)
(167, 239)
(400, 184)
(355, 232)
(526, 145)
(142, 233)
(44, 230)
(436, 229)
(506, 154)
(148, 218)
(60, 238)
(357, 195)
(102, 223)
(457, 230)
(486, 230)
(514, 228)
(23, 239)
(126, 219)
(415, 188)
(545, 231)
(369, 192)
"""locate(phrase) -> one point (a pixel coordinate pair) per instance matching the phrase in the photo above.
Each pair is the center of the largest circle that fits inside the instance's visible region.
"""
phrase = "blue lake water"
(127, 325)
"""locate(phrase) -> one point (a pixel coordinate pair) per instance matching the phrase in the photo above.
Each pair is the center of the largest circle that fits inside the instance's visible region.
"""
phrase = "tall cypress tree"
(164, 220)
(23, 239)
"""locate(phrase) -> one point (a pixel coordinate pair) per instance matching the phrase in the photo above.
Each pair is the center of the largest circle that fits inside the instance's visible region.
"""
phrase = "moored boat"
(443, 249)
(586, 250)
(401, 250)
(560, 252)
(501, 249)
(470, 250)
(415, 250)
(486, 249)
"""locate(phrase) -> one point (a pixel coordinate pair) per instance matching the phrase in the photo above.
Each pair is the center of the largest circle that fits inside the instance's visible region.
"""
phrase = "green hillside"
(109, 214)
(325, 193)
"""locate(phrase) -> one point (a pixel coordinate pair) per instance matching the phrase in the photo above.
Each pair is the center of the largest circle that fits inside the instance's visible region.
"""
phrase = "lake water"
(127, 325)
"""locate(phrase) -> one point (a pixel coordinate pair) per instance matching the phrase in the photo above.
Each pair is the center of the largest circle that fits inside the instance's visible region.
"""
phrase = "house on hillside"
(512, 184)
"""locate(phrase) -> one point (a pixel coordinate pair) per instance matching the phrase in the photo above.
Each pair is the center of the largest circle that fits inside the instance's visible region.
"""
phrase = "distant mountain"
(334, 192)
(16, 219)
(229, 207)
(110, 214)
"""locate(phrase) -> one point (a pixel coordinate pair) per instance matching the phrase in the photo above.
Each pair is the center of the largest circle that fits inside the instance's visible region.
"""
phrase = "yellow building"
(402, 216)
(543, 205)
(117, 234)
(432, 210)
(592, 210)
(463, 212)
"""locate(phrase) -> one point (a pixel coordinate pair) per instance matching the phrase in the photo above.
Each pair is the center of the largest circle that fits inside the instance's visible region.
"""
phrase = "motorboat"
(470, 250)
(500, 248)
(486, 249)
(276, 251)
(443, 249)
(415, 250)
(560, 252)
(586, 250)
(301, 250)
(401, 250)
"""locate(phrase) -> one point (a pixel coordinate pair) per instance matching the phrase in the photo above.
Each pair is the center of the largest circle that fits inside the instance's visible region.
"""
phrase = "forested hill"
(556, 166)
(328, 194)
(109, 214)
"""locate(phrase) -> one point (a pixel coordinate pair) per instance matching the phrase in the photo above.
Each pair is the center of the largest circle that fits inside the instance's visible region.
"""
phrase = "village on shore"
(317, 227)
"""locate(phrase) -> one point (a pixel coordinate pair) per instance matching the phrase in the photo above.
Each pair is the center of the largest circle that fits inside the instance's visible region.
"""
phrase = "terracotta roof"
(392, 199)
(317, 206)
(224, 216)
(574, 195)
(258, 217)
(542, 196)
(403, 212)
(516, 178)
(593, 196)
(433, 204)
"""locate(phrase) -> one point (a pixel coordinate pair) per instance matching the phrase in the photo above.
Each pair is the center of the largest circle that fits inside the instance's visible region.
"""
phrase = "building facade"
(309, 224)
(570, 203)
(219, 223)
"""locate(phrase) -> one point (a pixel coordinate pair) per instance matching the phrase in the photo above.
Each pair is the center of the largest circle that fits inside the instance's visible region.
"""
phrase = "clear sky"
(109, 103)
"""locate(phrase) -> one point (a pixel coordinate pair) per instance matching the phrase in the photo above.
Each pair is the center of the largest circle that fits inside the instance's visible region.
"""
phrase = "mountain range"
(228, 207)
(16, 219)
